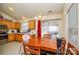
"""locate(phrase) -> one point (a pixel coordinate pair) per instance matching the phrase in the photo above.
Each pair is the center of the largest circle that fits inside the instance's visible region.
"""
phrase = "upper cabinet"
(17, 25)
(4, 22)
(10, 24)
(31, 24)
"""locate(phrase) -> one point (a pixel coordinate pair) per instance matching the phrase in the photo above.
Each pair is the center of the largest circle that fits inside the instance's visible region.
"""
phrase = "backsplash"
(12, 31)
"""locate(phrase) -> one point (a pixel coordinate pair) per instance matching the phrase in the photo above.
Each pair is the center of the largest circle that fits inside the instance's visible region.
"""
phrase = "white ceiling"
(30, 10)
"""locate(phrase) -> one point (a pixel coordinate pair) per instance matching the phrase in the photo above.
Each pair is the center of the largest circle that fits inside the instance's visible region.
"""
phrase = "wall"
(65, 20)
(7, 17)
(55, 16)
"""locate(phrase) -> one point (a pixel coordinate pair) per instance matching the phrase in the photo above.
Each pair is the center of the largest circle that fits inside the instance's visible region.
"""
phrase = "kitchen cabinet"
(3, 22)
(19, 37)
(17, 25)
(15, 37)
(11, 37)
(11, 25)
(31, 24)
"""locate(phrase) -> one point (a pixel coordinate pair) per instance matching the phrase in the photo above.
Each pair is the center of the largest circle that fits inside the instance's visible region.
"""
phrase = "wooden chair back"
(47, 36)
(28, 50)
(63, 45)
(33, 50)
(72, 50)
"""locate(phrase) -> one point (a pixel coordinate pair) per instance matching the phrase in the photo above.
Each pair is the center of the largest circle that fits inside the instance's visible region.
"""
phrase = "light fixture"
(44, 17)
(50, 11)
(11, 9)
(36, 17)
(23, 17)
(40, 17)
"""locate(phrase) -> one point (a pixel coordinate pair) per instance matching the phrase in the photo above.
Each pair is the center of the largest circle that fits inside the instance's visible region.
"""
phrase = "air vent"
(50, 11)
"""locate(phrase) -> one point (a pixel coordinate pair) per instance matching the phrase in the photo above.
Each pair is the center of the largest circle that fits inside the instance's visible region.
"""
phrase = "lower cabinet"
(15, 37)
(19, 37)
(11, 37)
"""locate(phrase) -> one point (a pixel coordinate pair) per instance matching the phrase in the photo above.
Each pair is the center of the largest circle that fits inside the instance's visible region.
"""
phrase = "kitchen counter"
(15, 36)
(16, 33)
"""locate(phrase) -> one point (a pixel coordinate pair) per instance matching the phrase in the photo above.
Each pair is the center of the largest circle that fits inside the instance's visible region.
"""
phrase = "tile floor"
(11, 48)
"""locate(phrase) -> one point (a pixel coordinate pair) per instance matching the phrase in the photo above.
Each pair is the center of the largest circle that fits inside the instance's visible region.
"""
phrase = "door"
(73, 25)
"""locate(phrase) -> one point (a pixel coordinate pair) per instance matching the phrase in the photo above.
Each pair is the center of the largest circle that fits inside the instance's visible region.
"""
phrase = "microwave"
(3, 26)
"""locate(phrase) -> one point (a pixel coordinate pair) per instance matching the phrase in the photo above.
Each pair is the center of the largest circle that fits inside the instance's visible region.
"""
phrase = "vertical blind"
(73, 25)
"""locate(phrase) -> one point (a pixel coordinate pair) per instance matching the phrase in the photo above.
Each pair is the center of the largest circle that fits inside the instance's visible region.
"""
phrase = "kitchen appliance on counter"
(3, 34)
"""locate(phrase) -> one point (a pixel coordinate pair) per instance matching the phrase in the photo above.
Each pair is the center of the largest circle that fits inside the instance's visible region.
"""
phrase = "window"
(24, 27)
(73, 25)
(49, 26)
(53, 29)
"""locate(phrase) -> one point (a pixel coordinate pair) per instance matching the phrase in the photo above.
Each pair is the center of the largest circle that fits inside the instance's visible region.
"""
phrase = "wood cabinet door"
(31, 24)
(3, 22)
(11, 37)
(17, 24)
(19, 37)
(11, 25)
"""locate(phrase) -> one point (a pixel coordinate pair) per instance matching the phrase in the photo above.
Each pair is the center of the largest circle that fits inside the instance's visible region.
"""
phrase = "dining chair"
(33, 50)
(72, 50)
(61, 49)
(46, 35)
(29, 50)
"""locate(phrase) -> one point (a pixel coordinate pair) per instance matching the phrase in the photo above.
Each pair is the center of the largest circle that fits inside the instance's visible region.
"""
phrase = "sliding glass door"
(73, 25)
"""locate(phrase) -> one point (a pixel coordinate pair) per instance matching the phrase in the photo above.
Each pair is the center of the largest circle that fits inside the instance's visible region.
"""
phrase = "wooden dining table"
(46, 44)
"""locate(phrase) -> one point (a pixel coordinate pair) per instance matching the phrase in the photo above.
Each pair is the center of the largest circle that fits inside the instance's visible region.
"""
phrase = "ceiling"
(30, 10)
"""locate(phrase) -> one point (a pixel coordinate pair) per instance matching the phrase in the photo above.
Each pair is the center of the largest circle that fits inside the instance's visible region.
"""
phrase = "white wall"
(7, 17)
(65, 19)
(54, 16)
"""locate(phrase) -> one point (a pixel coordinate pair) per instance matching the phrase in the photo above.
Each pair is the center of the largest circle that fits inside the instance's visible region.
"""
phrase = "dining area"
(46, 31)
(47, 39)
(47, 46)
(37, 45)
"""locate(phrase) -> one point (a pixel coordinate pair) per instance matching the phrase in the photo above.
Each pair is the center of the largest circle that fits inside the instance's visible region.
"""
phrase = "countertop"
(16, 33)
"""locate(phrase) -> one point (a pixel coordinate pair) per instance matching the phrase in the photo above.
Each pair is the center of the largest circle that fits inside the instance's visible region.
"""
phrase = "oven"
(3, 34)
(3, 38)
